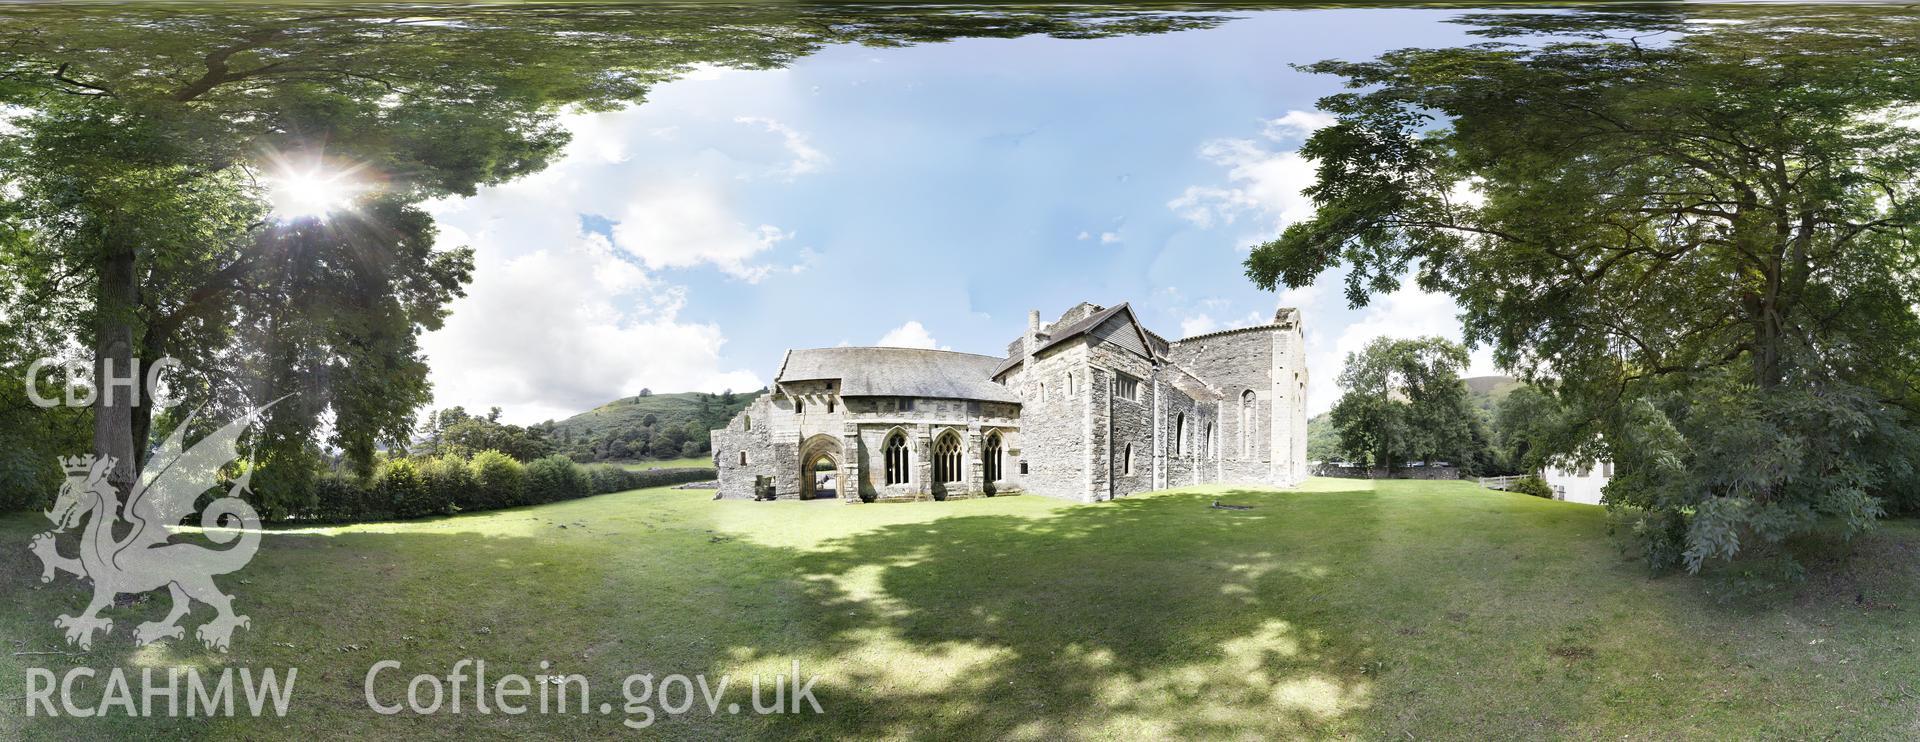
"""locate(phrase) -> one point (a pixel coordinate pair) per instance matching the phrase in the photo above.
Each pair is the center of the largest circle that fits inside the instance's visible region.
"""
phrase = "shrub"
(341, 498)
(554, 478)
(604, 478)
(497, 481)
(446, 480)
(1532, 484)
(399, 483)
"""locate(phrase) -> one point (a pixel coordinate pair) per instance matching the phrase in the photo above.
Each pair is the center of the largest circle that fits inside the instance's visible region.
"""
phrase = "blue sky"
(926, 196)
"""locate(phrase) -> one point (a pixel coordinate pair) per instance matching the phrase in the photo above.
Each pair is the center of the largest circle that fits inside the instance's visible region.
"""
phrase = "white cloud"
(1085, 235)
(806, 157)
(1296, 125)
(702, 71)
(541, 335)
(1260, 180)
(1302, 297)
(910, 335)
(1108, 238)
(1198, 324)
(688, 225)
(597, 135)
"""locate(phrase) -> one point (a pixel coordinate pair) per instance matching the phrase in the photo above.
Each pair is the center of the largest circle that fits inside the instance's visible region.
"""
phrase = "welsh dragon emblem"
(144, 558)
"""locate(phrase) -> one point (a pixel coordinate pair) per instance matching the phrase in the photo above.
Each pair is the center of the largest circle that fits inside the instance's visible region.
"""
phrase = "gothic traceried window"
(990, 459)
(895, 452)
(946, 458)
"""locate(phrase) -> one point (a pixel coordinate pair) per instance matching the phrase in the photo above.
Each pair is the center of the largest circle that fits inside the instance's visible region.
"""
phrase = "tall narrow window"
(946, 458)
(1126, 461)
(1246, 424)
(799, 405)
(829, 405)
(990, 459)
(1043, 391)
(1071, 386)
(1208, 451)
(743, 458)
(746, 422)
(895, 452)
(1180, 434)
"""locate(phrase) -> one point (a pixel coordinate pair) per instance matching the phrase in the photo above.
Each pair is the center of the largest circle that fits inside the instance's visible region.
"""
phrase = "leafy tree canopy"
(137, 139)
(1404, 401)
(1700, 236)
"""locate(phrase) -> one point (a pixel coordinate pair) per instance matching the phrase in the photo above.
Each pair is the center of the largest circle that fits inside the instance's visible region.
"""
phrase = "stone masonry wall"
(746, 433)
(1127, 422)
(1235, 363)
(1054, 423)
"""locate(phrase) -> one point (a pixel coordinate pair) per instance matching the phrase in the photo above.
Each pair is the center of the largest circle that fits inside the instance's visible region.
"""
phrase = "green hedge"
(413, 488)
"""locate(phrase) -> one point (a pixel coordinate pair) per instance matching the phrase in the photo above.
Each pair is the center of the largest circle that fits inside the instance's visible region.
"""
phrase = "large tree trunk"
(152, 349)
(115, 307)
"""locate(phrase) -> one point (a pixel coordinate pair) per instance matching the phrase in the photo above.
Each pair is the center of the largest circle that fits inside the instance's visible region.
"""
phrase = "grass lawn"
(1391, 611)
(697, 462)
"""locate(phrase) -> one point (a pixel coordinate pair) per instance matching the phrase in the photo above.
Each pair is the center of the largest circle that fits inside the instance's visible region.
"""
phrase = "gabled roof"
(1088, 324)
(899, 372)
(1092, 322)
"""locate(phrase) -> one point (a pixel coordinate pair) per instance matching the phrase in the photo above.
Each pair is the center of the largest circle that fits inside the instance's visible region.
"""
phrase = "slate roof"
(899, 372)
(1084, 326)
(1063, 334)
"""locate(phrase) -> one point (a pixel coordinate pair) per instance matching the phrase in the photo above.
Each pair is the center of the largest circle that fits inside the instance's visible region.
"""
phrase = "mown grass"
(1346, 609)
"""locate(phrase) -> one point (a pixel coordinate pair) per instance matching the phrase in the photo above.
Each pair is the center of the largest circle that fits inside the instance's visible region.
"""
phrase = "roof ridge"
(894, 347)
(1229, 331)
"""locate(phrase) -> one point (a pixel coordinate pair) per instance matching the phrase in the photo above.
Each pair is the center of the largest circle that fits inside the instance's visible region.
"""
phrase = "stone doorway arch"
(817, 482)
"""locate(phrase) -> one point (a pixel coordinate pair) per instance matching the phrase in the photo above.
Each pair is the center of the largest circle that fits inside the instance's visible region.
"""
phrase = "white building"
(1579, 484)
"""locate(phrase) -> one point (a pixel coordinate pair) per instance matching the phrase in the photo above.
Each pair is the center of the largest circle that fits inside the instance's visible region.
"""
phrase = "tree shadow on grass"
(1146, 616)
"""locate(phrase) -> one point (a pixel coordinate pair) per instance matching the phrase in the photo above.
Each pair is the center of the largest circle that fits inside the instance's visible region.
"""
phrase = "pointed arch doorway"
(820, 471)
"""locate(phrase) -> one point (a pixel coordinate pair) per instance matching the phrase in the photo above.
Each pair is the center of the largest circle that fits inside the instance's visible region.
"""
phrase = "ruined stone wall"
(1290, 391)
(748, 432)
(1184, 457)
(1234, 363)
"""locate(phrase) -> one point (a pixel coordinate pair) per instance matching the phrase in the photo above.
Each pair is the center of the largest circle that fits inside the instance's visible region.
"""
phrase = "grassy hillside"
(1489, 391)
(649, 427)
(1348, 609)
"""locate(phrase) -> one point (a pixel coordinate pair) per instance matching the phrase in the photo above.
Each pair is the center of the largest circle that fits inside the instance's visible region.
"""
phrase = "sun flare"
(313, 192)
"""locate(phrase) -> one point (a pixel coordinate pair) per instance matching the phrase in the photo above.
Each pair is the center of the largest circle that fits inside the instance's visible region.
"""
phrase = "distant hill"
(1489, 391)
(649, 426)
